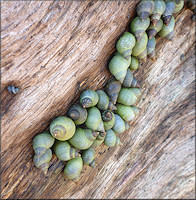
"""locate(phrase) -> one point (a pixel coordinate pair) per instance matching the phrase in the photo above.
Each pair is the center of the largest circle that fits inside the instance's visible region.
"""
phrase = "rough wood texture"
(55, 50)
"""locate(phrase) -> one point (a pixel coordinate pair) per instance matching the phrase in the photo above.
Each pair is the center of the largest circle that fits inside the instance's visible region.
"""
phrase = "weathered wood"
(55, 50)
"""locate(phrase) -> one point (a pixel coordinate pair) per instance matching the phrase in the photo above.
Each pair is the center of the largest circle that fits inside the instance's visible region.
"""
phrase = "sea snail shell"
(111, 139)
(151, 48)
(108, 118)
(134, 63)
(130, 80)
(88, 157)
(89, 98)
(167, 15)
(153, 30)
(119, 125)
(99, 140)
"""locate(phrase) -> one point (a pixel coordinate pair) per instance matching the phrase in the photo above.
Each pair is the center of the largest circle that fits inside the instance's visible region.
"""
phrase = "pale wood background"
(54, 50)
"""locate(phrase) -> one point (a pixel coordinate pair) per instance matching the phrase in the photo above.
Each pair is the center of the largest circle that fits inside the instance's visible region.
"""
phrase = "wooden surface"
(54, 50)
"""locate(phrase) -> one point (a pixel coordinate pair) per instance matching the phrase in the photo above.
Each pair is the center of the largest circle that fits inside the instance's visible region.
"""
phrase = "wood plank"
(54, 50)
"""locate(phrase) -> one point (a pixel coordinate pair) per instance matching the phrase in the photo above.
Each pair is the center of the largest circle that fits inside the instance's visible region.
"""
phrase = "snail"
(111, 139)
(139, 27)
(94, 121)
(64, 151)
(112, 89)
(159, 9)
(168, 31)
(104, 103)
(125, 44)
(83, 138)
(118, 66)
(178, 5)
(167, 15)
(134, 63)
(77, 113)
(127, 113)
(139, 49)
(62, 128)
(108, 118)
(151, 48)
(88, 157)
(153, 30)
(12, 89)
(89, 98)
(43, 161)
(128, 96)
(42, 142)
(145, 9)
(119, 126)
(130, 80)
(73, 169)
(99, 140)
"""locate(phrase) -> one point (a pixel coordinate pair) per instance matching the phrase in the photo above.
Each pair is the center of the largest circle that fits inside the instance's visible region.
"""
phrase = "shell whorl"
(86, 102)
(107, 116)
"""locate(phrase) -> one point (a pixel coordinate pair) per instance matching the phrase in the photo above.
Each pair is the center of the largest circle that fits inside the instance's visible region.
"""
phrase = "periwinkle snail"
(101, 116)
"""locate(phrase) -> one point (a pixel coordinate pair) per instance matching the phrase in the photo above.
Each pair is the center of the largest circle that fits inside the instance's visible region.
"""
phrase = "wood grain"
(53, 50)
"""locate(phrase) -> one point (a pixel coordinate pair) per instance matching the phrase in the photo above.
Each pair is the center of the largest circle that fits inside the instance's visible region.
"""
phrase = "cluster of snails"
(100, 116)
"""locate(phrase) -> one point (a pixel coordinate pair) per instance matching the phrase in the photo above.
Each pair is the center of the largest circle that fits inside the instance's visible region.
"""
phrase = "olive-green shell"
(42, 142)
(88, 157)
(77, 113)
(73, 169)
(138, 27)
(109, 124)
(125, 44)
(178, 5)
(104, 103)
(159, 9)
(89, 98)
(140, 46)
(143, 55)
(62, 128)
(166, 30)
(127, 96)
(111, 139)
(118, 66)
(112, 89)
(134, 63)
(153, 30)
(99, 140)
(83, 138)
(119, 126)
(145, 9)
(170, 8)
(151, 47)
(130, 80)
(127, 112)
(43, 161)
(64, 151)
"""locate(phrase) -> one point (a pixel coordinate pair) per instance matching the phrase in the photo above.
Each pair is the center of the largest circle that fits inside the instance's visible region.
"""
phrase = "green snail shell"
(167, 15)
(64, 151)
(104, 103)
(128, 96)
(112, 89)
(94, 121)
(43, 161)
(178, 5)
(134, 63)
(89, 98)
(42, 142)
(119, 126)
(130, 80)
(111, 139)
(108, 118)
(127, 126)
(151, 48)
(153, 30)
(77, 113)
(159, 9)
(140, 46)
(127, 112)
(125, 44)
(62, 128)
(73, 169)
(145, 9)
(99, 140)
(143, 55)
(88, 157)
(83, 138)
(138, 27)
(118, 66)
(168, 31)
